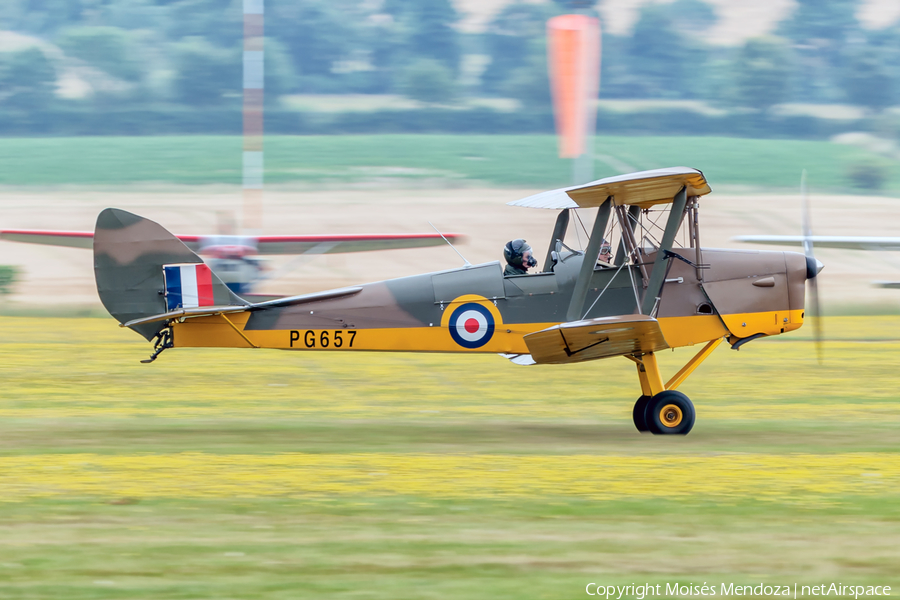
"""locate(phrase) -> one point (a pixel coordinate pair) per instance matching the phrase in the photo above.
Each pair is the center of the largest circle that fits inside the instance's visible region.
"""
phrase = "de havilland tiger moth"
(654, 294)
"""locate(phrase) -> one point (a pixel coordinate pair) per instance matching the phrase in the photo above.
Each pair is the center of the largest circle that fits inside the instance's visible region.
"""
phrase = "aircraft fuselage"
(477, 309)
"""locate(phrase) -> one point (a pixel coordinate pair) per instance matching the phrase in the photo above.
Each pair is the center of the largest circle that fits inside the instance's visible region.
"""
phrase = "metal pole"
(254, 78)
(583, 165)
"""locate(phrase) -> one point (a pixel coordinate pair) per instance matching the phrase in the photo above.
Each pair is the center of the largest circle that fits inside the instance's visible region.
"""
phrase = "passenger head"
(518, 253)
(605, 251)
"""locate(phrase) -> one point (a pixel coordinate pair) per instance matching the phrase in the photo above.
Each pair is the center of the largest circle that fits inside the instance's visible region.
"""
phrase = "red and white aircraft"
(235, 258)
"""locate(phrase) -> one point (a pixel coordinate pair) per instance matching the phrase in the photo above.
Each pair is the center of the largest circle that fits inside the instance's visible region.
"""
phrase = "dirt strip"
(56, 276)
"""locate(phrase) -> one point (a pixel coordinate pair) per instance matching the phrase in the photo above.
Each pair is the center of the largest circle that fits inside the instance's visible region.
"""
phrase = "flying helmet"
(514, 250)
(605, 248)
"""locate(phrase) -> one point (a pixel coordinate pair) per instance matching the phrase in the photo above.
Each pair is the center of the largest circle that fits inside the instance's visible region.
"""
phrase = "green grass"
(74, 388)
(524, 161)
(403, 548)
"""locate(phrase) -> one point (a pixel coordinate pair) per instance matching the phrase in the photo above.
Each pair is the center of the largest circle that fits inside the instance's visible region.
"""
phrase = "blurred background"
(775, 68)
(217, 473)
(139, 104)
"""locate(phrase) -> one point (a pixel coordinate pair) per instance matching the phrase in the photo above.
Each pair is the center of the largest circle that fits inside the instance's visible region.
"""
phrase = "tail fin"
(130, 253)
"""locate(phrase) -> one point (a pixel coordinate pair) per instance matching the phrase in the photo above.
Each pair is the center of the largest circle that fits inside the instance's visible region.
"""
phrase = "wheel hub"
(670, 415)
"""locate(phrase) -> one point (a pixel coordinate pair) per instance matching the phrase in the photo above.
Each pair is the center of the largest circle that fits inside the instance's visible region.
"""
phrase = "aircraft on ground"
(653, 295)
(235, 259)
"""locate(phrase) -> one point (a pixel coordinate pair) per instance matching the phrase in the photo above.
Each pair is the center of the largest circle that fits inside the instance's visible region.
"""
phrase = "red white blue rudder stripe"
(188, 286)
(471, 325)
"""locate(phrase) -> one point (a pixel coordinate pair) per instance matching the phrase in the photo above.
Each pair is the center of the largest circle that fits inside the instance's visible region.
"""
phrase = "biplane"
(237, 259)
(660, 290)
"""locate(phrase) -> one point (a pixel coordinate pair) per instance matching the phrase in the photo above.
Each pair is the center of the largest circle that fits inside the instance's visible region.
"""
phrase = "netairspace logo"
(640, 592)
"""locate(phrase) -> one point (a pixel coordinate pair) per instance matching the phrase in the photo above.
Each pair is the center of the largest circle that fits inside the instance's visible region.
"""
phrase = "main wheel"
(639, 412)
(669, 413)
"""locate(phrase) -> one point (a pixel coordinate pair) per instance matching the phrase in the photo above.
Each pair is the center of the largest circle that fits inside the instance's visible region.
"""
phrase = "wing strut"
(559, 234)
(658, 274)
(579, 294)
(627, 220)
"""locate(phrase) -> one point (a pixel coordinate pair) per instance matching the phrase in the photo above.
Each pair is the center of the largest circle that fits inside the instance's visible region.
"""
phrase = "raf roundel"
(471, 325)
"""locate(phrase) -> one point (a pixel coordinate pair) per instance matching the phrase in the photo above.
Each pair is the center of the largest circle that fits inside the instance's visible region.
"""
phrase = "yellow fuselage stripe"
(212, 332)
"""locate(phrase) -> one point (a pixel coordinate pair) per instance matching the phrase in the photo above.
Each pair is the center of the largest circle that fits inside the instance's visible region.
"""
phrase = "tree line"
(103, 53)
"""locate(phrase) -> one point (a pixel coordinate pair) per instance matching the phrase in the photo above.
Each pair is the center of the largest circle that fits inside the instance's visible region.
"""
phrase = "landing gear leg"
(651, 384)
(661, 410)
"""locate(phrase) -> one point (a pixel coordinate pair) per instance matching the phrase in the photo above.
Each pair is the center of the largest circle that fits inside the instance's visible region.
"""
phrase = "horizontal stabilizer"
(591, 339)
(208, 311)
(199, 311)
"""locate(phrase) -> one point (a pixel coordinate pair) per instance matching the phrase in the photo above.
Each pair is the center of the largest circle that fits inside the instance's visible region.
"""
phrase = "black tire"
(670, 413)
(639, 412)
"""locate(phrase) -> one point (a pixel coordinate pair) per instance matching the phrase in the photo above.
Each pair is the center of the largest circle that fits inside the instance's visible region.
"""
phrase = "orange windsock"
(573, 53)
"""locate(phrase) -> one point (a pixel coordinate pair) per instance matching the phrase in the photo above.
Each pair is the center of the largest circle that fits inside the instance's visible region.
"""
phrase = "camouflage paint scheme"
(129, 252)
(414, 313)
(577, 309)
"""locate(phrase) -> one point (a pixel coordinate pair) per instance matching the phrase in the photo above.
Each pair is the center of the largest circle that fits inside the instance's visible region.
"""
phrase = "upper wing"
(644, 189)
(351, 242)
(826, 241)
(266, 244)
(596, 338)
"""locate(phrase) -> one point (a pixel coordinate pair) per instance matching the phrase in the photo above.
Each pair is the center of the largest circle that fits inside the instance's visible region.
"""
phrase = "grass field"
(523, 161)
(226, 474)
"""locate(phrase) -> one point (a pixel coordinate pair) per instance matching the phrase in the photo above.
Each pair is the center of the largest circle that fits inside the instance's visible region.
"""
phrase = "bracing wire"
(647, 233)
(655, 223)
(637, 301)
(578, 235)
(603, 290)
(586, 234)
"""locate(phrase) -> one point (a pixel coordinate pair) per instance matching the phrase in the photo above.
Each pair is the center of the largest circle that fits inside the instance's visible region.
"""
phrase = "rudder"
(129, 255)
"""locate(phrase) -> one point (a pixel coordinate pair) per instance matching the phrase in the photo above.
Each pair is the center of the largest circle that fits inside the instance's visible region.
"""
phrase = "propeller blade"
(813, 267)
(816, 314)
(806, 224)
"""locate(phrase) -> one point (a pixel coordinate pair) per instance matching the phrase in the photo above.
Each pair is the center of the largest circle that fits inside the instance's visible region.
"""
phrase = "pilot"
(518, 257)
(605, 258)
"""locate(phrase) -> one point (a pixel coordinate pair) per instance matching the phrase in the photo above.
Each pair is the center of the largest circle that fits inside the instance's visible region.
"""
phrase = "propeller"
(813, 267)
